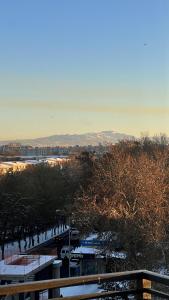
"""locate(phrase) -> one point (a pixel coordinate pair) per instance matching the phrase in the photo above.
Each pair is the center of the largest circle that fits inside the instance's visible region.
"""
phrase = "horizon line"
(142, 134)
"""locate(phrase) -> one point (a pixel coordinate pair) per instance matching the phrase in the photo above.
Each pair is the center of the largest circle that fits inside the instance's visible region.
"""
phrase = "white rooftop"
(85, 250)
(92, 236)
(25, 265)
(93, 250)
(115, 254)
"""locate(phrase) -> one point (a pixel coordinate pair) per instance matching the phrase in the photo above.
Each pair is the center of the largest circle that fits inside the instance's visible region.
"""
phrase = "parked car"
(74, 234)
(65, 251)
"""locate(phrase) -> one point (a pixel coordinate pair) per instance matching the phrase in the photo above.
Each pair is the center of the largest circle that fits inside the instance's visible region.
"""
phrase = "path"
(15, 247)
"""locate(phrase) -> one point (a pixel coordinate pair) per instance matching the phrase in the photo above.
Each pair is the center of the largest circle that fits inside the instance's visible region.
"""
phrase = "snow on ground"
(80, 290)
(74, 291)
(25, 245)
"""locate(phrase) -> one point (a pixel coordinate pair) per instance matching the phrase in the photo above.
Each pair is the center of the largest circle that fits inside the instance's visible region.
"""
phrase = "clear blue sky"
(74, 66)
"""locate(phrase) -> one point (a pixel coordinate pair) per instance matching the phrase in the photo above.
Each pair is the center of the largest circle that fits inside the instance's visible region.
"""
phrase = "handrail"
(140, 276)
(152, 276)
(156, 293)
(65, 282)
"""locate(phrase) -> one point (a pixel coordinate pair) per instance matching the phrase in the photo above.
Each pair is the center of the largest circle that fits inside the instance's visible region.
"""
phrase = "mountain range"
(103, 137)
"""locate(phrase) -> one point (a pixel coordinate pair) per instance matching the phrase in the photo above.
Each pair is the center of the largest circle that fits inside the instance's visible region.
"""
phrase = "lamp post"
(69, 243)
(69, 222)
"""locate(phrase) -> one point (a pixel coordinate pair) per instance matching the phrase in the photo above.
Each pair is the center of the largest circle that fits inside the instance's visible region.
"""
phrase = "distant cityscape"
(19, 151)
(16, 157)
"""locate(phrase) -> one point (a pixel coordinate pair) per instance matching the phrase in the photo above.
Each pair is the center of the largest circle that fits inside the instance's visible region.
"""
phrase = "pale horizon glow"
(83, 66)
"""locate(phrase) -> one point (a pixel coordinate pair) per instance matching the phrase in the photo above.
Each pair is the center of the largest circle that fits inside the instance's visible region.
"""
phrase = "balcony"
(141, 284)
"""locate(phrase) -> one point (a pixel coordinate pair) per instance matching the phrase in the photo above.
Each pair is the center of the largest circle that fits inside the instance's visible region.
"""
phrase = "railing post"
(146, 284)
(141, 285)
(55, 292)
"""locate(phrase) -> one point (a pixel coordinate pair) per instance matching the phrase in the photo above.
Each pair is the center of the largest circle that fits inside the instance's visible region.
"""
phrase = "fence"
(148, 285)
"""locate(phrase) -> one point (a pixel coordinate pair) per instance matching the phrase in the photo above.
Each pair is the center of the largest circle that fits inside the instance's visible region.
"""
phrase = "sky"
(76, 66)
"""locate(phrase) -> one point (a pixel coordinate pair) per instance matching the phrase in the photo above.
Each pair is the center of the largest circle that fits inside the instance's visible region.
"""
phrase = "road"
(30, 243)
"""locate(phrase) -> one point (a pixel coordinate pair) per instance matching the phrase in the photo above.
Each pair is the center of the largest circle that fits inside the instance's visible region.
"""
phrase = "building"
(25, 268)
(18, 166)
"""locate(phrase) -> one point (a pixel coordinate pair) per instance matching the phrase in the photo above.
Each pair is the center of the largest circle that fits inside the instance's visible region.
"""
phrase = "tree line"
(29, 200)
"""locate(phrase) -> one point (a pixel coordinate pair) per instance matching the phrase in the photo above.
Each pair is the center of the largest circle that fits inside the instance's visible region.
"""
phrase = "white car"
(65, 251)
(74, 234)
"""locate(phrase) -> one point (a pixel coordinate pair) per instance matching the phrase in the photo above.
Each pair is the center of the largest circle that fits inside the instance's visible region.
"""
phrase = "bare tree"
(128, 194)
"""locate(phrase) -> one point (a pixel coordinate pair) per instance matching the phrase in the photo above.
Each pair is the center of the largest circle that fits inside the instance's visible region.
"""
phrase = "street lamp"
(69, 222)
(69, 242)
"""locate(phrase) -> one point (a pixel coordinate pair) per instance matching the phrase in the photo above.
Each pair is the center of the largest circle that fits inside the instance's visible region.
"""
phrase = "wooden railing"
(145, 285)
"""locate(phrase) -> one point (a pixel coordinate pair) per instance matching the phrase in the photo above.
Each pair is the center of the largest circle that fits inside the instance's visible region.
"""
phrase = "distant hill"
(104, 137)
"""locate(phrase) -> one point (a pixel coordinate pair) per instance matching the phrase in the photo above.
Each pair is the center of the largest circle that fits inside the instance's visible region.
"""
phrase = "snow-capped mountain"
(104, 137)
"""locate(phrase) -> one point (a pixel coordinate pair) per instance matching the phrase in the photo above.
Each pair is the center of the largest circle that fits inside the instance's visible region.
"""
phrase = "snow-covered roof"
(102, 237)
(116, 254)
(92, 236)
(32, 264)
(8, 163)
(3, 165)
(85, 250)
(95, 251)
(31, 161)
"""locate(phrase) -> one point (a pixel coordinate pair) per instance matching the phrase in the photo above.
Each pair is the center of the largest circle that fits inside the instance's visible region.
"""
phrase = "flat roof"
(92, 250)
(21, 266)
(85, 250)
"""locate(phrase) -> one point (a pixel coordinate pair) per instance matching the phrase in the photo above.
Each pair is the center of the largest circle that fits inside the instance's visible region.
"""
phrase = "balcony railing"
(145, 285)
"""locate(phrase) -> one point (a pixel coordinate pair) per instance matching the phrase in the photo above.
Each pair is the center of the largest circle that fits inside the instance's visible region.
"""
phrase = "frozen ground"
(25, 245)
(80, 290)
